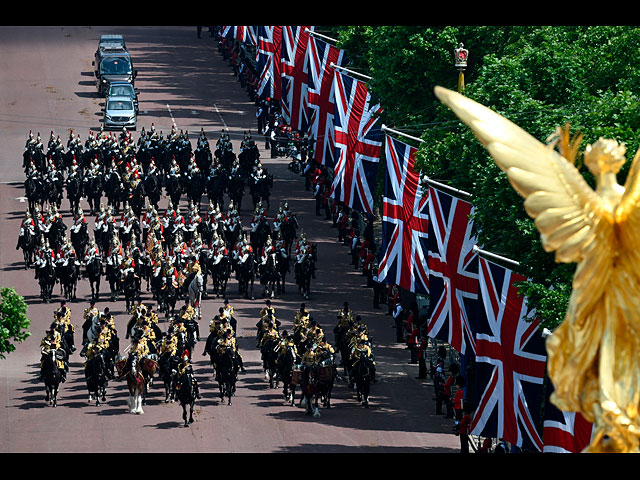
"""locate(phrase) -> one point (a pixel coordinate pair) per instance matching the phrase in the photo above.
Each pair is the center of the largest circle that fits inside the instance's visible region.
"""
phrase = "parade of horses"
(198, 276)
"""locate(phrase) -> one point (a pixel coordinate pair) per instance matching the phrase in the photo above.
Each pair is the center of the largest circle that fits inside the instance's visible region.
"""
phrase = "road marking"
(22, 199)
(170, 114)
(220, 115)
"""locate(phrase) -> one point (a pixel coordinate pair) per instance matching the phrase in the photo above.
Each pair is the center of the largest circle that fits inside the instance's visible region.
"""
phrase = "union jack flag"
(405, 219)
(564, 432)
(453, 270)
(295, 75)
(268, 62)
(510, 361)
(244, 34)
(358, 143)
(320, 106)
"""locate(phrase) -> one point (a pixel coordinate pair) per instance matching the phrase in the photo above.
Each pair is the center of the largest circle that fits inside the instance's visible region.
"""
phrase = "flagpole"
(387, 129)
(446, 187)
(495, 256)
(316, 34)
(333, 65)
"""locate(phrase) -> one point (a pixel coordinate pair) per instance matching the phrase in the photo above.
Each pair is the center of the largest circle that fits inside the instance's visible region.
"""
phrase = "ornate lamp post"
(460, 56)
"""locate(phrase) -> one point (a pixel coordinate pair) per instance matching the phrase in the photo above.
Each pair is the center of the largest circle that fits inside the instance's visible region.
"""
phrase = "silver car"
(123, 89)
(120, 112)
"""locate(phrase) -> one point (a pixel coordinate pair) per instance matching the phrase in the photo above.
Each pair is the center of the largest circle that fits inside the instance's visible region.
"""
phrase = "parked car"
(123, 89)
(113, 64)
(120, 112)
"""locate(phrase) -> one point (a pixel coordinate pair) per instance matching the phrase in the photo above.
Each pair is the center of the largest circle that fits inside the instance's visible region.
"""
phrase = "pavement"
(46, 83)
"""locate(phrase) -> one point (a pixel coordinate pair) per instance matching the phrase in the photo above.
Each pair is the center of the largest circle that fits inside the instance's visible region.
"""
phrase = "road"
(46, 83)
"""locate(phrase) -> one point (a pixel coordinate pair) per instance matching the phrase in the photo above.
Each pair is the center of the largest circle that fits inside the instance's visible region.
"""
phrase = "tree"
(538, 77)
(13, 320)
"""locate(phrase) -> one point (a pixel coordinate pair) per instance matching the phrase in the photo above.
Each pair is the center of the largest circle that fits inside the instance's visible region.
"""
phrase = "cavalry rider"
(91, 252)
(303, 248)
(193, 220)
(53, 340)
(44, 253)
(228, 340)
(267, 250)
(115, 253)
(79, 221)
(185, 368)
(127, 219)
(178, 251)
(196, 246)
(28, 224)
(128, 264)
(178, 226)
(171, 272)
(169, 343)
(279, 218)
(361, 350)
(241, 250)
(286, 342)
(66, 252)
(258, 216)
(99, 222)
(63, 317)
(169, 215)
(145, 222)
(231, 220)
(156, 231)
(218, 248)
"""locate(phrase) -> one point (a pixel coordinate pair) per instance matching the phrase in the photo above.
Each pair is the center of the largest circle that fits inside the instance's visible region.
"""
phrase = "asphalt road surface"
(47, 83)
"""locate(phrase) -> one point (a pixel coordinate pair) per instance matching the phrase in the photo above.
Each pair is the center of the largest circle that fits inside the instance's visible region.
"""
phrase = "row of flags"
(428, 240)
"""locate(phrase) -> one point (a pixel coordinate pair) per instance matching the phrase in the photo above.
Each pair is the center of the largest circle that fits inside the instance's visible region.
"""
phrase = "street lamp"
(460, 56)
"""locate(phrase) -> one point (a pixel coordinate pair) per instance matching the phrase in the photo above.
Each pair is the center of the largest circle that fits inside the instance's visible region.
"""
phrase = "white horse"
(136, 384)
(94, 330)
(196, 288)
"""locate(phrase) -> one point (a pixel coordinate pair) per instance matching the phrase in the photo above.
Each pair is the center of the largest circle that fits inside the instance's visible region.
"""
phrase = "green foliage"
(539, 78)
(13, 320)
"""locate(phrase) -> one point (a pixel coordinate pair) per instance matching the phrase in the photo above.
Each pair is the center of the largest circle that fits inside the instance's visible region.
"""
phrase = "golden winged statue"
(594, 355)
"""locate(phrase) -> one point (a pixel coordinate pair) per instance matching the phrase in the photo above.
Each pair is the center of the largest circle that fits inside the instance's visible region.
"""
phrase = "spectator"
(502, 447)
(463, 429)
(446, 389)
(398, 315)
(412, 344)
(422, 355)
(459, 397)
(486, 446)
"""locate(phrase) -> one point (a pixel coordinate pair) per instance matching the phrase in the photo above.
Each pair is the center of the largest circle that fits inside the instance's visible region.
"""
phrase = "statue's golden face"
(605, 156)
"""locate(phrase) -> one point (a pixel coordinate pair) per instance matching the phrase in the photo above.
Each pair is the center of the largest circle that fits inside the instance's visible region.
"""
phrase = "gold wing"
(566, 210)
(628, 213)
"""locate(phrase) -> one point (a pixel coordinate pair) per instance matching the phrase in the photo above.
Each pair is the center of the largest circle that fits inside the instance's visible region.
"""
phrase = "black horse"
(34, 191)
(286, 366)
(96, 376)
(47, 279)
(269, 274)
(27, 241)
(130, 289)
(186, 394)
(74, 191)
(304, 272)
(94, 273)
(114, 276)
(220, 273)
(361, 372)
(51, 375)
(227, 373)
(168, 371)
(283, 262)
(269, 361)
(246, 273)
